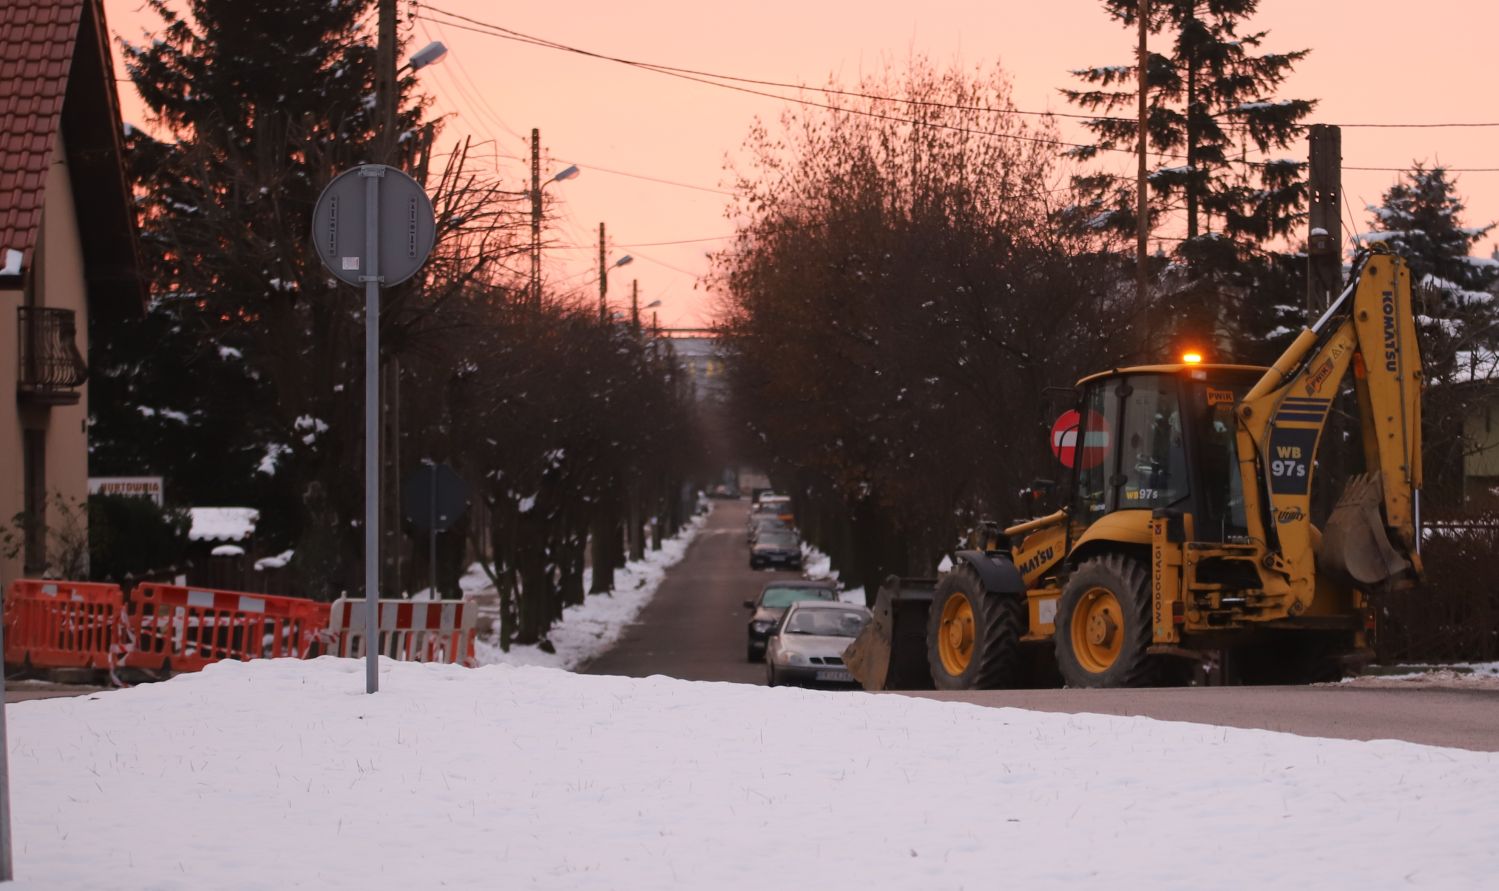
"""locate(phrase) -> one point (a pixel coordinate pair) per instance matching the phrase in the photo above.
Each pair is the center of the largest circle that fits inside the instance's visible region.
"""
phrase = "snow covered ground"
(587, 630)
(1457, 675)
(276, 774)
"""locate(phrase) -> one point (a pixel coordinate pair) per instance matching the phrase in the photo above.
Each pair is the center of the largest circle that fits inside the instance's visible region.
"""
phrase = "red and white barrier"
(176, 628)
(409, 630)
(61, 624)
(173, 628)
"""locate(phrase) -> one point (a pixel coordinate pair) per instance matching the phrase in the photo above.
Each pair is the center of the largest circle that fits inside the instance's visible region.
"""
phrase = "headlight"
(795, 659)
(762, 626)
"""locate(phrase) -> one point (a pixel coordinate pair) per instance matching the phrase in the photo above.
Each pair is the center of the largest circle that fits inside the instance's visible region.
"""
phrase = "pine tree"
(1420, 218)
(1211, 102)
(257, 105)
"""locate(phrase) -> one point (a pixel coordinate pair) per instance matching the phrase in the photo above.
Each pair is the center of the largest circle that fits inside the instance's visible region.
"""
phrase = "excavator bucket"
(1355, 544)
(890, 653)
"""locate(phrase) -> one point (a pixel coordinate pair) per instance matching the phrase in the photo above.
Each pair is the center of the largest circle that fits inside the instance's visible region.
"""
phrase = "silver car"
(807, 644)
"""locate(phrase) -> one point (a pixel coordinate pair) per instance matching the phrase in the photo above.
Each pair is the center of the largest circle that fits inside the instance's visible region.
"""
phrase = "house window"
(34, 458)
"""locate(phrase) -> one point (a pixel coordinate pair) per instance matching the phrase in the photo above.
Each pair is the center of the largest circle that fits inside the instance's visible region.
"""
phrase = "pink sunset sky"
(1371, 63)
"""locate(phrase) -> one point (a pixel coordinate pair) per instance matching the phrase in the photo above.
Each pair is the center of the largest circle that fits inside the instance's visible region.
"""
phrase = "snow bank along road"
(280, 774)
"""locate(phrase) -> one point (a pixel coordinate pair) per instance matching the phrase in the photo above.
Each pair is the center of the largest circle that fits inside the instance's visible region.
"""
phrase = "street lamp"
(536, 186)
(635, 306)
(430, 54)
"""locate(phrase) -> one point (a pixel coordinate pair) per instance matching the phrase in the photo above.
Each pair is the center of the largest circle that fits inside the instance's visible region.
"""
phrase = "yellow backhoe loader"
(1186, 536)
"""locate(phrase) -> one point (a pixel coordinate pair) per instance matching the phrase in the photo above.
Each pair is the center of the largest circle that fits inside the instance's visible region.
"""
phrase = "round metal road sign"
(402, 230)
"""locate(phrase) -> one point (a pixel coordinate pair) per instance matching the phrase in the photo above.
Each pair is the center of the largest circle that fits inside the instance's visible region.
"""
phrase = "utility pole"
(603, 281)
(1325, 236)
(385, 81)
(1324, 279)
(635, 304)
(1142, 206)
(389, 519)
(535, 295)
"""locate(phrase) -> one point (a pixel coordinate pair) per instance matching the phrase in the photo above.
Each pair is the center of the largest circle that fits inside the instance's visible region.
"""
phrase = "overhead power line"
(728, 82)
(653, 179)
(1451, 125)
(491, 30)
(690, 74)
(678, 241)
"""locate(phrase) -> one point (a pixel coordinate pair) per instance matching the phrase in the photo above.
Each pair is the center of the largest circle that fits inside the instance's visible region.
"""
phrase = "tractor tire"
(972, 635)
(1103, 627)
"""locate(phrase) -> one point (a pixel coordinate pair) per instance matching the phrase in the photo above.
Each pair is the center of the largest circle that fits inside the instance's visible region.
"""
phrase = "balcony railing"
(51, 369)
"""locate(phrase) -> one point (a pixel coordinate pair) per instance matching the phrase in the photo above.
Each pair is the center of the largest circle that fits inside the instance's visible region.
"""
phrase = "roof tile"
(37, 39)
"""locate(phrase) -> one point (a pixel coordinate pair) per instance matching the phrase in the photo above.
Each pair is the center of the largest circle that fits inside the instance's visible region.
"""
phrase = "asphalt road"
(1437, 716)
(694, 629)
(25, 691)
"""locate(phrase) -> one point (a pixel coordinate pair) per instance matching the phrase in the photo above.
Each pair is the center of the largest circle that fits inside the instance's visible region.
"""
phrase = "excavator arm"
(1372, 537)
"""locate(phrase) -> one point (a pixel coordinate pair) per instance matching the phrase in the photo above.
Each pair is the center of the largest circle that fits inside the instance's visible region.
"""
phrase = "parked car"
(774, 598)
(781, 548)
(764, 509)
(761, 525)
(776, 505)
(806, 646)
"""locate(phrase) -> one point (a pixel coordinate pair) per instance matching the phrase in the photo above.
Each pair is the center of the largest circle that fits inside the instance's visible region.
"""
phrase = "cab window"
(1222, 499)
(1100, 415)
(1152, 456)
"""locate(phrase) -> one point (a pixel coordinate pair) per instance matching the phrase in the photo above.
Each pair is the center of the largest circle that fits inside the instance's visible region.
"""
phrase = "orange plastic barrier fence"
(172, 628)
(60, 624)
(409, 630)
(176, 628)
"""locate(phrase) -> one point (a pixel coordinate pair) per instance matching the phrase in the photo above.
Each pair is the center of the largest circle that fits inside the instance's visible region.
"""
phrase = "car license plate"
(841, 677)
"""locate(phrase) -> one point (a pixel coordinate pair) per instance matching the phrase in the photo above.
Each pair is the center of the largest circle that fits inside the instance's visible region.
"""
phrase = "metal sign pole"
(5, 863)
(432, 542)
(372, 175)
(378, 256)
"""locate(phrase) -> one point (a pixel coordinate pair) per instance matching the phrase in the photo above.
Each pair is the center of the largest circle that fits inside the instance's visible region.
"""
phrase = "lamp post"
(536, 186)
(635, 306)
(604, 267)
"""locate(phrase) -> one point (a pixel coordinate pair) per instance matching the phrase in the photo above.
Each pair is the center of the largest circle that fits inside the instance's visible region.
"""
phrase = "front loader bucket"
(890, 653)
(1355, 544)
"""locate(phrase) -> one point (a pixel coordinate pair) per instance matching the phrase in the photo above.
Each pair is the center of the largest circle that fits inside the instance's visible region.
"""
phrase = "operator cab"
(1163, 437)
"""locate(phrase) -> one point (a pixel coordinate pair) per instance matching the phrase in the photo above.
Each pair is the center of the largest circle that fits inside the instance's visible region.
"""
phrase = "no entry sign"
(1064, 435)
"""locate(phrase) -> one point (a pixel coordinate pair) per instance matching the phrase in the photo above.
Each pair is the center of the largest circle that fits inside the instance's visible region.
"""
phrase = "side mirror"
(749, 604)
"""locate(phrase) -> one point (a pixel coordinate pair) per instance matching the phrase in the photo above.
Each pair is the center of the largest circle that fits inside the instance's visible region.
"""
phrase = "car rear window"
(827, 622)
(776, 598)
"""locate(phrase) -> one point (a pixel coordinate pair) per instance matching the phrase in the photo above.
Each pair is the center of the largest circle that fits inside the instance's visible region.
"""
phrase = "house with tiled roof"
(67, 256)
